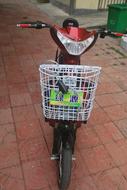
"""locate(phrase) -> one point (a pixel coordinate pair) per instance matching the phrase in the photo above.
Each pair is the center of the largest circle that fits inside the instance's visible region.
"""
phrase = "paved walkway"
(58, 15)
(25, 139)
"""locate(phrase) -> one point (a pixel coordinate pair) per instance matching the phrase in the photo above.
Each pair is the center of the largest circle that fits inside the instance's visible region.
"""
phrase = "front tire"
(65, 168)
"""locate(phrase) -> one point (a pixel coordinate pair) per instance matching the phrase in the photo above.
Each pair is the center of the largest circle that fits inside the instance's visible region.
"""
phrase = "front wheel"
(65, 168)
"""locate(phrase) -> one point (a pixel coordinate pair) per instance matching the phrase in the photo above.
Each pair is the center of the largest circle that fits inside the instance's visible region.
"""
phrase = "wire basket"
(77, 103)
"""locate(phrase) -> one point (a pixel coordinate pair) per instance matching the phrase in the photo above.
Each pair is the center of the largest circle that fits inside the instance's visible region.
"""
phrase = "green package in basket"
(72, 99)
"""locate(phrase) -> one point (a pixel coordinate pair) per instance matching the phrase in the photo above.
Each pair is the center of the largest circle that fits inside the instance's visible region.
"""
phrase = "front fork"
(65, 134)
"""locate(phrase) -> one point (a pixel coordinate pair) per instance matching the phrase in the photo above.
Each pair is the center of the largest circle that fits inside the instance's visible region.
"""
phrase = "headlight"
(73, 47)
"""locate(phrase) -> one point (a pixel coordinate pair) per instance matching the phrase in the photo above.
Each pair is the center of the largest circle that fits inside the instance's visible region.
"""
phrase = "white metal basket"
(77, 103)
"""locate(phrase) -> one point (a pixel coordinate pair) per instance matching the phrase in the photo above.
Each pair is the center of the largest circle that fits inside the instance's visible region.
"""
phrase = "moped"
(68, 88)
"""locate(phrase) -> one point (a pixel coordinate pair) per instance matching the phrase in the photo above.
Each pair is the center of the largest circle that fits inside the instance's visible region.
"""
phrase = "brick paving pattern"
(26, 140)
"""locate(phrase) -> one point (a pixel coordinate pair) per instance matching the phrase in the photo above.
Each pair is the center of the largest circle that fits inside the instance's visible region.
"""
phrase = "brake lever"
(40, 25)
(103, 33)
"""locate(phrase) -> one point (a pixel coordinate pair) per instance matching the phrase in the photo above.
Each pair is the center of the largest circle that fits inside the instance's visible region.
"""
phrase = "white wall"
(86, 4)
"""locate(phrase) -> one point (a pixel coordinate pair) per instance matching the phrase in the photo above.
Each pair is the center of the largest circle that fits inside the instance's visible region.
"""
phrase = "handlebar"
(102, 32)
(36, 25)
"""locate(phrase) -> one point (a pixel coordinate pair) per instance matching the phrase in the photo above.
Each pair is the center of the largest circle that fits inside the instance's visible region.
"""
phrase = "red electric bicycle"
(68, 88)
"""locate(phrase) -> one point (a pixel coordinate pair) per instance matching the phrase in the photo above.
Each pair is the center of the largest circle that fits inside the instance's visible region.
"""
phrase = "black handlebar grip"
(36, 25)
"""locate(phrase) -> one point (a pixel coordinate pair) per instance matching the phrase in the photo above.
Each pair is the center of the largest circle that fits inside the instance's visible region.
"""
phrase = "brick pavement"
(25, 139)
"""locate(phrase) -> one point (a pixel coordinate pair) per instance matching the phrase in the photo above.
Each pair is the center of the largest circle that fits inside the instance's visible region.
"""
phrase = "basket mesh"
(76, 105)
